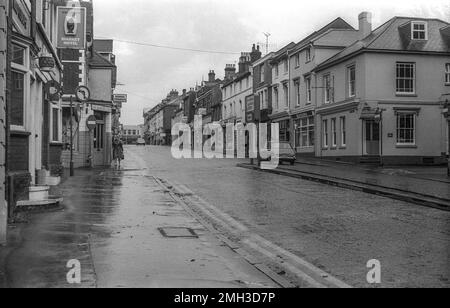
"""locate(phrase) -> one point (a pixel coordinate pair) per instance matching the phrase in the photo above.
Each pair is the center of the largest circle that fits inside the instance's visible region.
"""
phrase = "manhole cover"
(173, 232)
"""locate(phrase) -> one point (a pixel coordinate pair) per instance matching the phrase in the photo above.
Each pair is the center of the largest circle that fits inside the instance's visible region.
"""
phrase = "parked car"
(140, 141)
(286, 153)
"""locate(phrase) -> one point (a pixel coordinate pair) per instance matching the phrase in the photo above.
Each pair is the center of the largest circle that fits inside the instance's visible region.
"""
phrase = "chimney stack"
(256, 53)
(244, 62)
(365, 25)
(211, 76)
(230, 71)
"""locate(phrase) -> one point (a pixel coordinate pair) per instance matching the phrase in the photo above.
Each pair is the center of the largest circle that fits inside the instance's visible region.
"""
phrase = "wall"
(3, 44)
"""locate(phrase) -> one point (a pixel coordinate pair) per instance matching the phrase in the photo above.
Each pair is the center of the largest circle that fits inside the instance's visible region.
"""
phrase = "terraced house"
(382, 98)
(303, 89)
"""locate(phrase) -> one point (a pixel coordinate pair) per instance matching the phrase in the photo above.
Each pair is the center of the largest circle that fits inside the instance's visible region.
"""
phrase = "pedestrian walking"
(118, 154)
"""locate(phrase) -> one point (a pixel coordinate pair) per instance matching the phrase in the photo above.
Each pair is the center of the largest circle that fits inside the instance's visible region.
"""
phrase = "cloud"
(231, 25)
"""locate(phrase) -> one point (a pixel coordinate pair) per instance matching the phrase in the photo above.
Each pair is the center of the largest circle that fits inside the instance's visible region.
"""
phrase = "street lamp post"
(72, 171)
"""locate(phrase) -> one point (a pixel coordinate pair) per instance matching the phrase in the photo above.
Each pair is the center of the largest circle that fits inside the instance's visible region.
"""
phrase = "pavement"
(126, 230)
(427, 186)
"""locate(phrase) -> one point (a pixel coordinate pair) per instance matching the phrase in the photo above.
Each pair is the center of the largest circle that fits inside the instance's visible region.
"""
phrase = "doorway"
(99, 141)
(372, 138)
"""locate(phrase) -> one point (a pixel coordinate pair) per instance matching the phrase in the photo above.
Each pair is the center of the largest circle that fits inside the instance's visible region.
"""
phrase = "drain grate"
(177, 232)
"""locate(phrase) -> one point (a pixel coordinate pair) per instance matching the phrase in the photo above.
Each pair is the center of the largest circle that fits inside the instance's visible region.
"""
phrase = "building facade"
(303, 58)
(34, 112)
(388, 95)
(95, 68)
(4, 5)
(280, 92)
(131, 133)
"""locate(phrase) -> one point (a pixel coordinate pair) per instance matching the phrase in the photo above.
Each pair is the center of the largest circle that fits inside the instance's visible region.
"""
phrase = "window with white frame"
(406, 128)
(276, 97)
(261, 100)
(325, 133)
(277, 70)
(286, 94)
(447, 73)
(305, 128)
(308, 55)
(419, 30)
(297, 60)
(343, 132)
(266, 99)
(308, 90)
(327, 88)
(351, 76)
(263, 72)
(297, 92)
(333, 133)
(20, 79)
(286, 66)
(406, 78)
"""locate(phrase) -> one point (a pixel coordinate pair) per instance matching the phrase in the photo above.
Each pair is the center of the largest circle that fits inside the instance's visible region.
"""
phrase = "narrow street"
(111, 223)
(335, 229)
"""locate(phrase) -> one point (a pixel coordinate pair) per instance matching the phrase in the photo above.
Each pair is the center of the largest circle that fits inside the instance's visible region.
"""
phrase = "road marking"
(292, 263)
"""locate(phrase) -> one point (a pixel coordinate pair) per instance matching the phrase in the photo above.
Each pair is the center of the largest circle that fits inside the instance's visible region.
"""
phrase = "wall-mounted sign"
(251, 109)
(91, 122)
(120, 98)
(71, 30)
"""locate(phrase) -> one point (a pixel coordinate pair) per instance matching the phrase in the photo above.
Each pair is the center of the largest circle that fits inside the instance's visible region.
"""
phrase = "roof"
(337, 24)
(394, 36)
(100, 62)
(280, 54)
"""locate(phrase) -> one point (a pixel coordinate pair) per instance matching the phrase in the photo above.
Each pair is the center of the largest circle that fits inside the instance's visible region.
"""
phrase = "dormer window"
(419, 30)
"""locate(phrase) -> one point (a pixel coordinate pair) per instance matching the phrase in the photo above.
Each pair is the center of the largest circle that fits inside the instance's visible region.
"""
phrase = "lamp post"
(72, 172)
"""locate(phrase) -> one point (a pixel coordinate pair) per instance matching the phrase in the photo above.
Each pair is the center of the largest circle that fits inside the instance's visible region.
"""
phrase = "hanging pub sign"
(53, 90)
(71, 30)
(46, 63)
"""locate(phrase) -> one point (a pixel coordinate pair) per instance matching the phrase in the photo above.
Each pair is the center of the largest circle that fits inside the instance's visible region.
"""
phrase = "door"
(372, 138)
(99, 141)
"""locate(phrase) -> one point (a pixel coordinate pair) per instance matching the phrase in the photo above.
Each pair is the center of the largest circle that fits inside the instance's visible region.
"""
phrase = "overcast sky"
(228, 26)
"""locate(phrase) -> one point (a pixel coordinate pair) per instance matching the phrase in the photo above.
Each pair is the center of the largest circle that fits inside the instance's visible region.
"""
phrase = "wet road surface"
(111, 224)
(337, 230)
